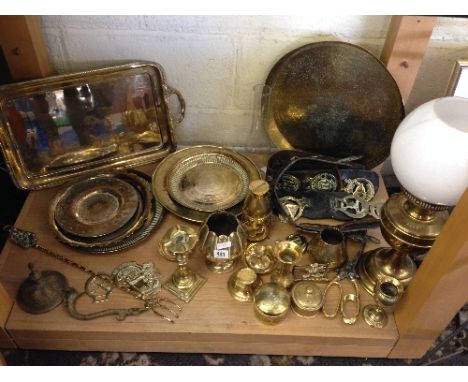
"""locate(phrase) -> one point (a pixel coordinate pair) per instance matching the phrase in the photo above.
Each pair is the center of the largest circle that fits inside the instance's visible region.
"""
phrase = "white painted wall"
(215, 60)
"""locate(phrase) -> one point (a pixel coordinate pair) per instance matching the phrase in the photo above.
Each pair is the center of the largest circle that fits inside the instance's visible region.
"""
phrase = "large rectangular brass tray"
(57, 128)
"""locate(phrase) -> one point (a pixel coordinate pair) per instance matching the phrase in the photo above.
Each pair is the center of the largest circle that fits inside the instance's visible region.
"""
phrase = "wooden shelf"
(213, 322)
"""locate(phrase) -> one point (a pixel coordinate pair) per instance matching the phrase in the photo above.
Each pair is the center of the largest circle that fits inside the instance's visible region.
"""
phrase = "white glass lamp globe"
(429, 151)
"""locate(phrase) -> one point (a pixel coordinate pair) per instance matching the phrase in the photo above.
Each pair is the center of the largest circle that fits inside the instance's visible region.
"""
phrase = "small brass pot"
(388, 291)
(271, 303)
(222, 241)
(243, 284)
(328, 247)
(307, 299)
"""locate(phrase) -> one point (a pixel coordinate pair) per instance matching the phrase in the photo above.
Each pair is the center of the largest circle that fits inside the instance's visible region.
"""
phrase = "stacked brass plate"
(193, 182)
(104, 213)
(208, 182)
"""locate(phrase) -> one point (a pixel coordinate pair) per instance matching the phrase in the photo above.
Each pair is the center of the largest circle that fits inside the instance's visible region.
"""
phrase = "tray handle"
(170, 91)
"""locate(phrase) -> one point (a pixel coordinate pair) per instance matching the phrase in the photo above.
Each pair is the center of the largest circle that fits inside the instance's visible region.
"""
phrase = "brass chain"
(65, 260)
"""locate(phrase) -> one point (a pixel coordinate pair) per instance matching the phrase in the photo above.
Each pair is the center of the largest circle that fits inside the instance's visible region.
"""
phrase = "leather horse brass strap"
(336, 99)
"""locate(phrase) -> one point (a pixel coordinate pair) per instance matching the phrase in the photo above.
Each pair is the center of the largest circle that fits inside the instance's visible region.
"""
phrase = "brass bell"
(42, 291)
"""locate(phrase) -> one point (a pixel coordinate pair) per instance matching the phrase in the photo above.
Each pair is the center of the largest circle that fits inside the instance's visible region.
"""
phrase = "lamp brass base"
(185, 291)
(383, 262)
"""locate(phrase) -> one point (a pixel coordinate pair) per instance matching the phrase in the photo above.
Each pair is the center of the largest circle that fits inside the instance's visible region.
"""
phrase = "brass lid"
(272, 301)
(307, 296)
(246, 276)
(259, 187)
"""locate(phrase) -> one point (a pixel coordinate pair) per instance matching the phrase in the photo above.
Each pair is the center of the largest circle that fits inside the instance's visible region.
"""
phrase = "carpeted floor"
(449, 349)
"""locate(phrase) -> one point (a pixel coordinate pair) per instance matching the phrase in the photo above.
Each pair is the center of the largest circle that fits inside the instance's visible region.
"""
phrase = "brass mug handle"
(170, 91)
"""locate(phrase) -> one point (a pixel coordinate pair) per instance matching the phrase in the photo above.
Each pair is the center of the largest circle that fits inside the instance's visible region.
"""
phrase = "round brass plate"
(139, 219)
(96, 207)
(160, 180)
(81, 156)
(336, 99)
(208, 182)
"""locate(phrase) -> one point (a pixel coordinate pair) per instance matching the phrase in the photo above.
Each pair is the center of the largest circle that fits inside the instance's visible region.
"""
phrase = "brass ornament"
(293, 206)
(360, 187)
(356, 208)
(323, 182)
(289, 183)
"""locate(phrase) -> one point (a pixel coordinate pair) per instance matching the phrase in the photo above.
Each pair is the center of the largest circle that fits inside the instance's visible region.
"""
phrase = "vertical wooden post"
(438, 290)
(404, 48)
(27, 57)
(23, 46)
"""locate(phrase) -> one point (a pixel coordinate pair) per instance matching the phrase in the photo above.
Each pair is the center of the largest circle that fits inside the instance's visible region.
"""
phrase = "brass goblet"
(387, 292)
(184, 283)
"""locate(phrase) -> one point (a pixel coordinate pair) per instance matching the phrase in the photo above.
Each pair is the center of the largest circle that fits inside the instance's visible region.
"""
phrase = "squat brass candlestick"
(184, 283)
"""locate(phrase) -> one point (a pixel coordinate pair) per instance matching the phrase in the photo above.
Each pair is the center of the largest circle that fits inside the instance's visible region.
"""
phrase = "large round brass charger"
(336, 99)
(162, 181)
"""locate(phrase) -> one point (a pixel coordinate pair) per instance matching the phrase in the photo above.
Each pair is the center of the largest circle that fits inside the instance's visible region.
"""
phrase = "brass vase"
(256, 212)
(222, 241)
(288, 254)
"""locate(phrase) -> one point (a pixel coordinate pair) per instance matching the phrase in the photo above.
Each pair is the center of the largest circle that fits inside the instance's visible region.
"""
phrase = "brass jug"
(288, 254)
(328, 247)
(256, 212)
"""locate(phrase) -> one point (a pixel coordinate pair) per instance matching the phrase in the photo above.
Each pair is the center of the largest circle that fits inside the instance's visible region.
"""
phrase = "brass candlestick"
(184, 283)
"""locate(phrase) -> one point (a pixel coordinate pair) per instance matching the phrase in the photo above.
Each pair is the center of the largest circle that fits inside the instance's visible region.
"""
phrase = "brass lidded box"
(307, 298)
(62, 127)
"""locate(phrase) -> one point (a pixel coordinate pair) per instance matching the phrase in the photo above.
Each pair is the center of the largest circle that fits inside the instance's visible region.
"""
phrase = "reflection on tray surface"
(86, 122)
